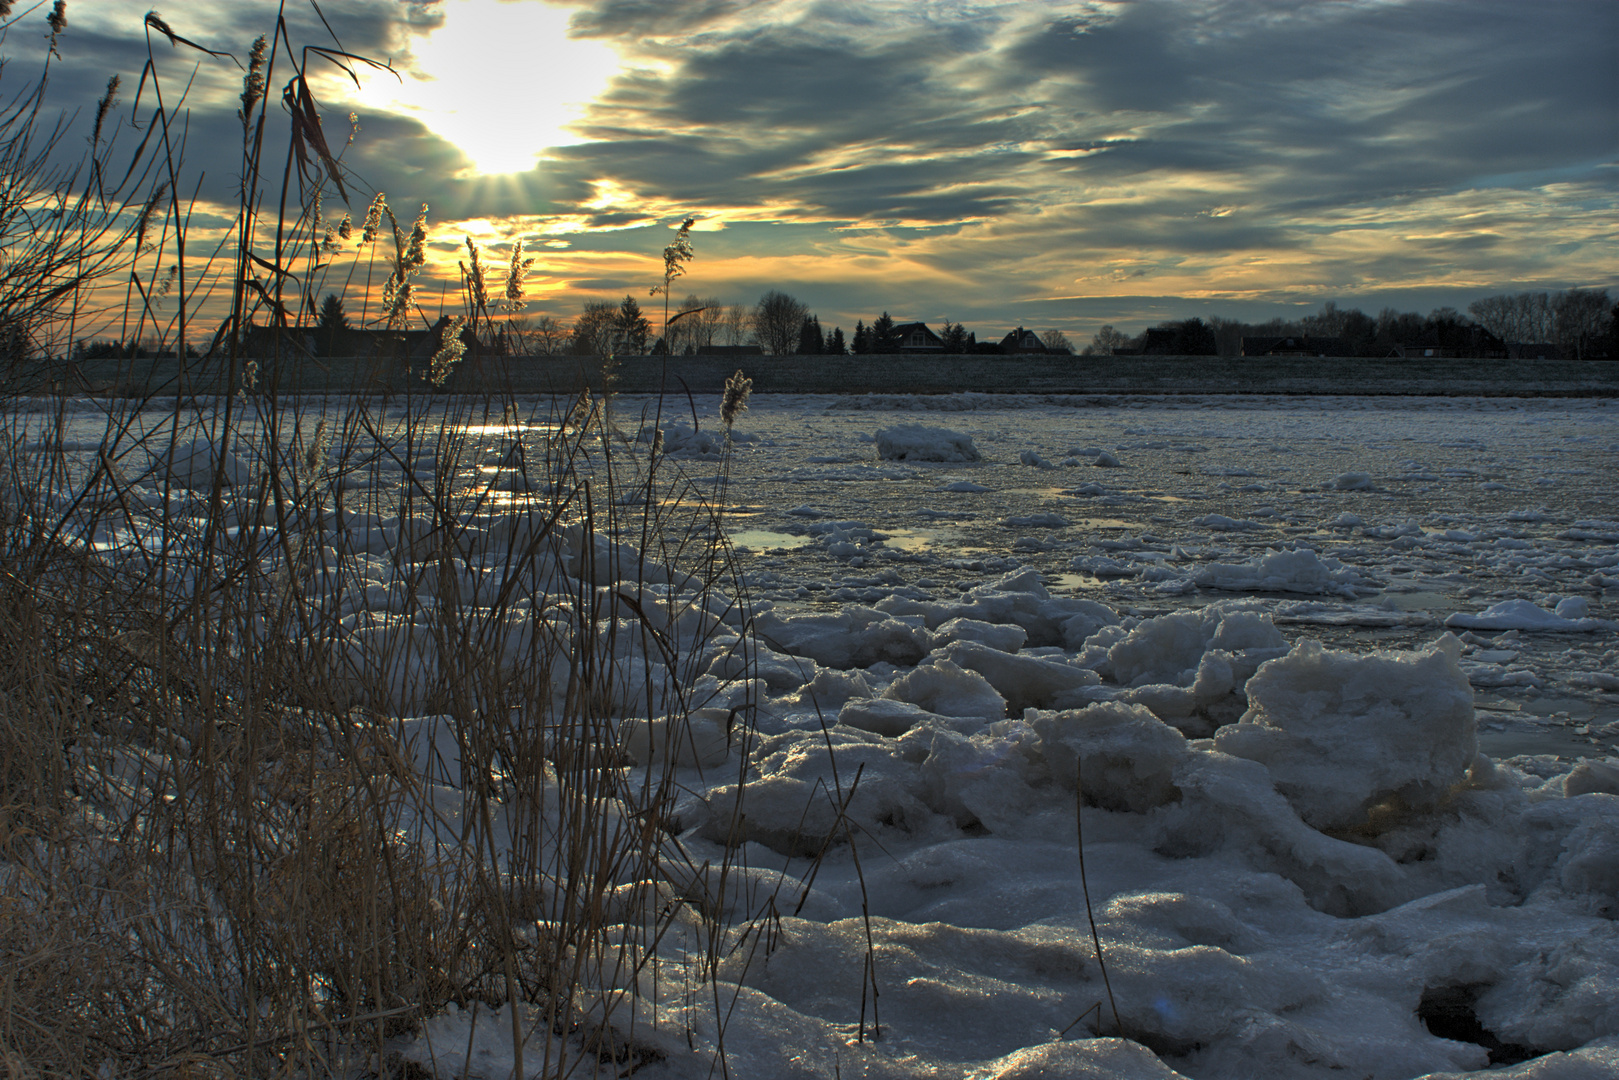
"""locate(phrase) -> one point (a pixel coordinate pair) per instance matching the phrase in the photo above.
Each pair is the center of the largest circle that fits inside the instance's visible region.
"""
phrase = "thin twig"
(1096, 938)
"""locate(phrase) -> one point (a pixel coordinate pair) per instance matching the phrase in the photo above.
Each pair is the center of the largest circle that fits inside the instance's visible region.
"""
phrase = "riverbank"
(872, 375)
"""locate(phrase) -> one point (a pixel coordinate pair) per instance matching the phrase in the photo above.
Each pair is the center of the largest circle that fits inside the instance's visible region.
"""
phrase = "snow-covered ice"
(1343, 749)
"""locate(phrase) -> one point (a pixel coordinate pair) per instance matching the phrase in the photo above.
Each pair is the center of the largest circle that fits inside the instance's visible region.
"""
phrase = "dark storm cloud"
(975, 157)
(1364, 103)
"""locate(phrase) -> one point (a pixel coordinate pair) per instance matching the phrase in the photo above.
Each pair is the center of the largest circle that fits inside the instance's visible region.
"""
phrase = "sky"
(1054, 165)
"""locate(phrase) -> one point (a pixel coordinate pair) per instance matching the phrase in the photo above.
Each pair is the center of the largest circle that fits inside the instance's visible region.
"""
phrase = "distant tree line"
(1581, 323)
(778, 325)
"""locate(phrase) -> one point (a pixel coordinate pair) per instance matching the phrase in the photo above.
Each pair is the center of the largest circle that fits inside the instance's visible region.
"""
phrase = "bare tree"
(1581, 318)
(594, 329)
(738, 319)
(1056, 341)
(1328, 322)
(1525, 316)
(1106, 340)
(546, 335)
(539, 336)
(777, 322)
(699, 328)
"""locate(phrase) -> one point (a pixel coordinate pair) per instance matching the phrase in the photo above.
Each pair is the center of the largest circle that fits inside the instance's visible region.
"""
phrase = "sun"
(501, 80)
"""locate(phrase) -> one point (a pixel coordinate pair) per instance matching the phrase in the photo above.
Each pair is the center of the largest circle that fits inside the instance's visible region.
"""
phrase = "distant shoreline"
(868, 374)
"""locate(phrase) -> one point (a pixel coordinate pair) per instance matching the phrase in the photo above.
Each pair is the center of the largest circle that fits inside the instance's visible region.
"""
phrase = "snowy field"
(1334, 680)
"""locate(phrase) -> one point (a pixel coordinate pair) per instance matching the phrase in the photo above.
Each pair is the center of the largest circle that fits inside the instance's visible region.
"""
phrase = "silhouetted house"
(1454, 341)
(915, 337)
(1161, 341)
(1295, 345)
(1525, 350)
(313, 342)
(729, 350)
(1022, 341)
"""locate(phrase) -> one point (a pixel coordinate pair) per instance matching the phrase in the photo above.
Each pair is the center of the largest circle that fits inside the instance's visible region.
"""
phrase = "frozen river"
(1331, 683)
(1435, 507)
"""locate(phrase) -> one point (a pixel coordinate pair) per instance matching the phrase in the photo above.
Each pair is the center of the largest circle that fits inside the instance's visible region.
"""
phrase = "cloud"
(1006, 160)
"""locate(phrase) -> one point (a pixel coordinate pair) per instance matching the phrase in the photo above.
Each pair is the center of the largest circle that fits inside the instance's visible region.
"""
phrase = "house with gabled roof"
(1023, 341)
(915, 337)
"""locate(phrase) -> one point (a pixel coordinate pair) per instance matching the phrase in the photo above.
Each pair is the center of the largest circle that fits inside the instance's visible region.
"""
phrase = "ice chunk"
(1088, 617)
(882, 716)
(915, 442)
(1298, 571)
(853, 637)
(1230, 804)
(1350, 481)
(942, 687)
(1572, 607)
(1170, 648)
(779, 671)
(1125, 755)
(1523, 615)
(1034, 460)
(965, 487)
(1590, 863)
(681, 441)
(1035, 521)
(1024, 681)
(195, 464)
(792, 806)
(1597, 1060)
(1592, 776)
(1221, 523)
(1087, 1059)
(831, 688)
(982, 776)
(1342, 733)
(1007, 637)
(1022, 598)
(703, 742)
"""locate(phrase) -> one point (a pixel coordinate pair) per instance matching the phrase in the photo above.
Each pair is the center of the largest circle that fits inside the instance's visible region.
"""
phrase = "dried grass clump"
(220, 854)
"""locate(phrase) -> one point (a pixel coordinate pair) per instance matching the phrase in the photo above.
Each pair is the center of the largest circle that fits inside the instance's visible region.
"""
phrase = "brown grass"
(219, 853)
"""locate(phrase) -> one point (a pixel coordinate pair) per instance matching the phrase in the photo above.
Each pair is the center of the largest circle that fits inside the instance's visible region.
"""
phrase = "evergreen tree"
(882, 336)
(333, 325)
(810, 339)
(331, 314)
(632, 327)
(954, 336)
(834, 344)
(862, 338)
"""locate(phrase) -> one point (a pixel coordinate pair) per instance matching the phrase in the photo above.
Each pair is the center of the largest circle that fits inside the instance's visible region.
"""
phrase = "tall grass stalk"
(316, 712)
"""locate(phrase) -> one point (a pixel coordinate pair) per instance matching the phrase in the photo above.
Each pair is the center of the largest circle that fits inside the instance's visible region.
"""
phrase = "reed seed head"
(373, 218)
(416, 253)
(253, 81)
(516, 276)
(103, 107)
(451, 349)
(144, 222)
(476, 286)
(738, 388)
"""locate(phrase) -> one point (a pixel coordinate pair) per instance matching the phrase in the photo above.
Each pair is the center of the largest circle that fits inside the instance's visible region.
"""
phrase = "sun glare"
(502, 80)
